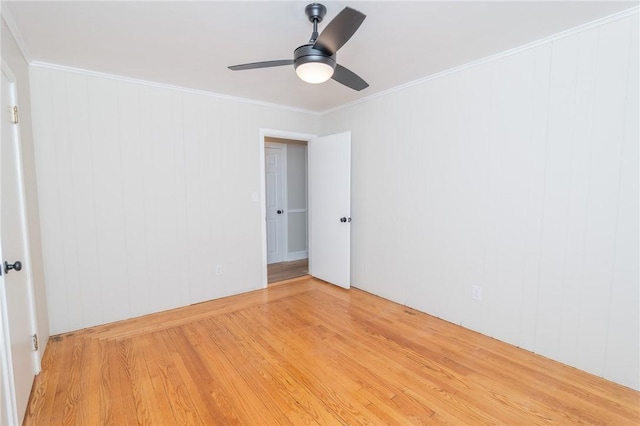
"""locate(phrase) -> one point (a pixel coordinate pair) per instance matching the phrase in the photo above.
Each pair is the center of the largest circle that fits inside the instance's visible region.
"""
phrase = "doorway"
(329, 204)
(286, 207)
(279, 136)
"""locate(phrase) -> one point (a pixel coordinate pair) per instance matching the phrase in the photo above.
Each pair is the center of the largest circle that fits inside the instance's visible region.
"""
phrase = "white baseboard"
(297, 255)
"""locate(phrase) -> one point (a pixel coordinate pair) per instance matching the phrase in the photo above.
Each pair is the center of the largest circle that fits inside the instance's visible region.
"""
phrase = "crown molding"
(90, 73)
(7, 17)
(634, 11)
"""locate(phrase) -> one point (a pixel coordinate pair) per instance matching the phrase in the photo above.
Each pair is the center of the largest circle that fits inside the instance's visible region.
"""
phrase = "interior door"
(329, 174)
(17, 307)
(274, 191)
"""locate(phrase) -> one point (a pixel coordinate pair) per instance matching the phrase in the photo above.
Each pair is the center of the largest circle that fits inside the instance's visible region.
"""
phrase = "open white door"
(19, 360)
(330, 208)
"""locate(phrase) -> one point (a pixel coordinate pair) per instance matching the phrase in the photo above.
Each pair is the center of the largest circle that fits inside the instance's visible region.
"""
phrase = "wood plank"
(135, 379)
(120, 384)
(306, 352)
(46, 382)
(69, 385)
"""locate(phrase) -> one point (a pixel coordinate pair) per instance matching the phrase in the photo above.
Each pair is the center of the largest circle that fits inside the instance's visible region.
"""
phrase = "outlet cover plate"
(476, 292)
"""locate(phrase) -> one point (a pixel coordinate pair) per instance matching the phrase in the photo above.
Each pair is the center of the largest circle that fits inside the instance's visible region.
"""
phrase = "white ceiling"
(190, 44)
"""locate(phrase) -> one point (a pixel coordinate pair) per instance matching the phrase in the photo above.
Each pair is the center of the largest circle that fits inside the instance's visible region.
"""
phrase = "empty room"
(347, 212)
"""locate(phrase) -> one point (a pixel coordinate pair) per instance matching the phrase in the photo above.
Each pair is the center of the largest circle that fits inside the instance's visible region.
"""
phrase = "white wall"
(520, 175)
(143, 190)
(15, 60)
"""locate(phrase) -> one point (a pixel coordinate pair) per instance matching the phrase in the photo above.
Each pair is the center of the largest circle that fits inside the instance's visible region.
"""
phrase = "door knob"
(16, 266)
(280, 211)
(343, 219)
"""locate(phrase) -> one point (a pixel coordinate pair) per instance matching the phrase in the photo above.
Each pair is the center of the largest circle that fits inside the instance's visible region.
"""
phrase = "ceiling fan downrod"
(315, 12)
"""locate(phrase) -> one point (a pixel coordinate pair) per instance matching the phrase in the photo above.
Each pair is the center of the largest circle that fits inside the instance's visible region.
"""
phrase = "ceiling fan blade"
(265, 64)
(350, 79)
(339, 30)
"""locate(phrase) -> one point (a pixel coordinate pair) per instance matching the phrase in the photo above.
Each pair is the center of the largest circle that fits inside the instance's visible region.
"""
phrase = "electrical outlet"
(476, 292)
(218, 269)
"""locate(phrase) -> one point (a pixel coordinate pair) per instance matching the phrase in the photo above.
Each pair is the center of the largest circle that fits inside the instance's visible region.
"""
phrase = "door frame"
(285, 202)
(283, 134)
(9, 404)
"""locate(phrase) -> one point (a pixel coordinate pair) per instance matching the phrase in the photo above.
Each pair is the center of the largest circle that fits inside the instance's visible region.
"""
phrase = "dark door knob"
(343, 219)
(280, 212)
(16, 266)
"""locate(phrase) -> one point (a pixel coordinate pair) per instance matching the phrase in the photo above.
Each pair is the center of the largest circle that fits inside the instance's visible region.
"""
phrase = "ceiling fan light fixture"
(314, 72)
(312, 65)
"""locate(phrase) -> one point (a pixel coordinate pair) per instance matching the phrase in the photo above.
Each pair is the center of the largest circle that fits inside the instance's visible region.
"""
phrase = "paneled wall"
(519, 175)
(143, 190)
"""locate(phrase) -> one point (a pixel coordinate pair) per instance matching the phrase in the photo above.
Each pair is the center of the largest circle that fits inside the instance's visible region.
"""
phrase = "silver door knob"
(16, 266)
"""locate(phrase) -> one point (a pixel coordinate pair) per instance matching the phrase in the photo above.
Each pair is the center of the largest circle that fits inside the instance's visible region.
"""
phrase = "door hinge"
(14, 116)
(35, 342)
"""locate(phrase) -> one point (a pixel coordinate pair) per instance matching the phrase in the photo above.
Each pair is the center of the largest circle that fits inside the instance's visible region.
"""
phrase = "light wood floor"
(287, 270)
(309, 353)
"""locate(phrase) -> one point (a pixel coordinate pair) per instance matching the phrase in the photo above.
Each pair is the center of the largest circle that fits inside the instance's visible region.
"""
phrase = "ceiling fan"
(315, 62)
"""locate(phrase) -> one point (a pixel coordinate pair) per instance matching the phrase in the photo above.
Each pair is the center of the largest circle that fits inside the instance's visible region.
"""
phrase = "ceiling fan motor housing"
(306, 53)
